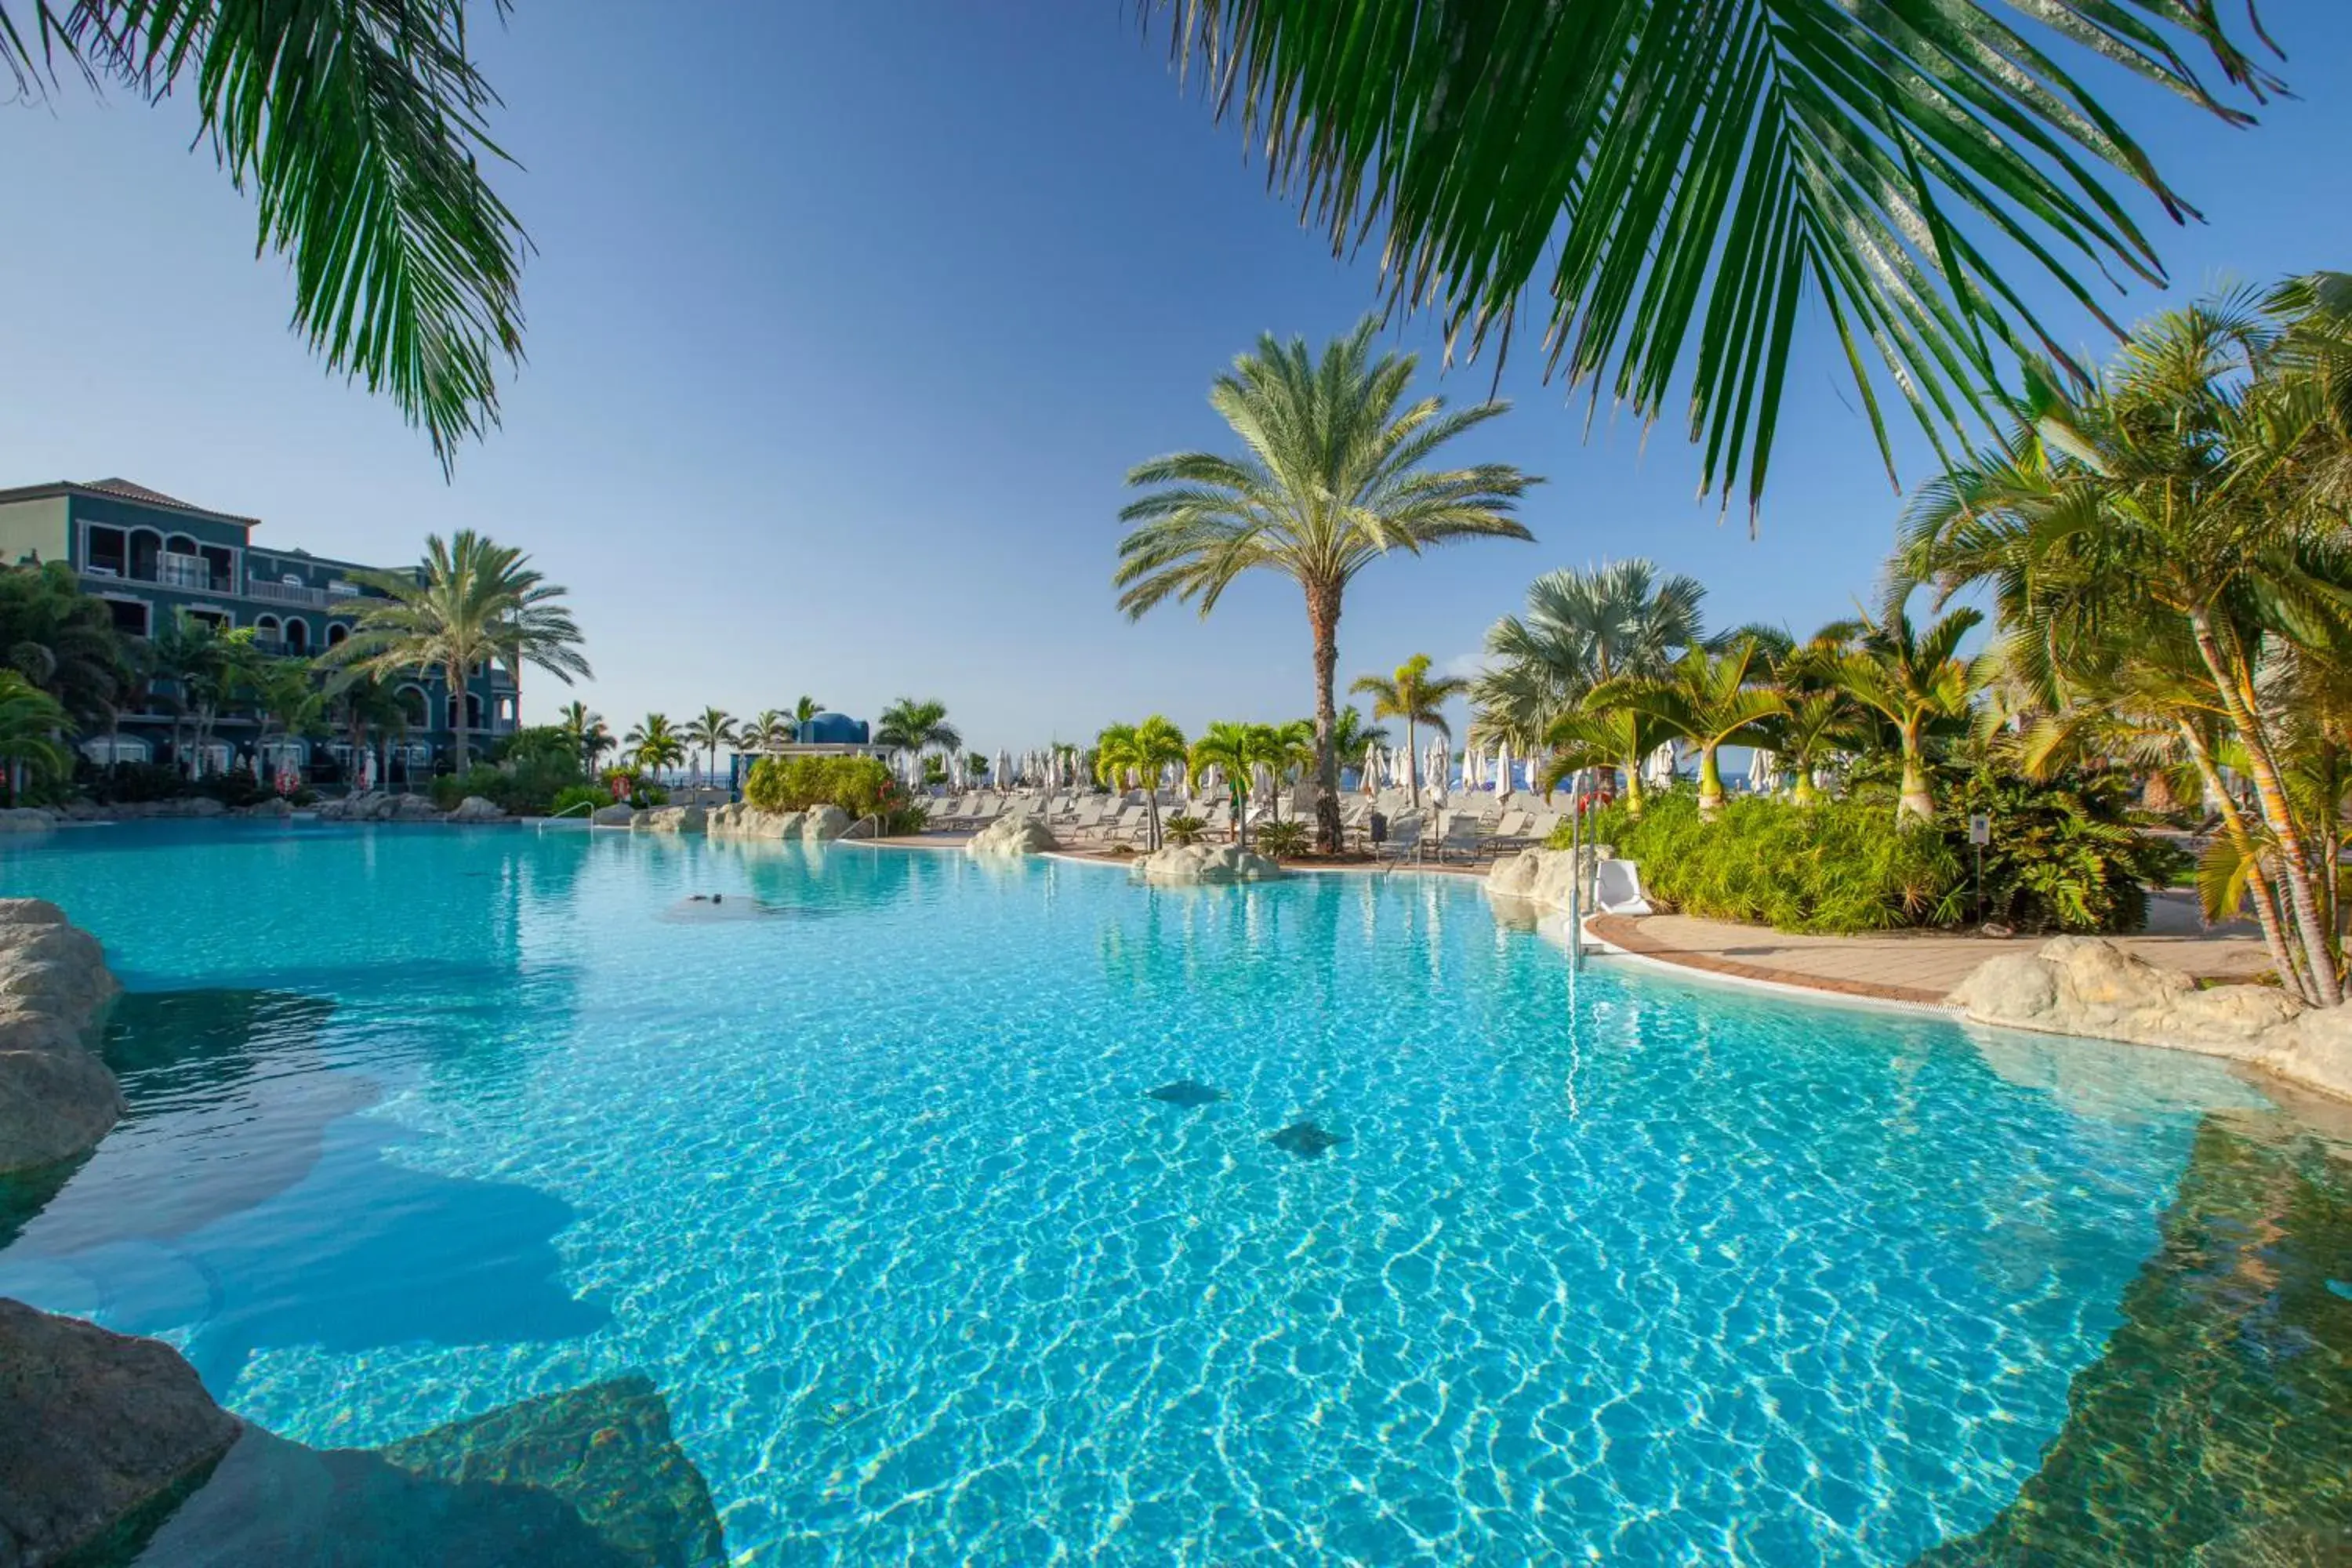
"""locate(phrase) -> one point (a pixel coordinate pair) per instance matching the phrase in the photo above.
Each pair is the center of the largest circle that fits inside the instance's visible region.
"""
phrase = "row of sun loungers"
(1475, 829)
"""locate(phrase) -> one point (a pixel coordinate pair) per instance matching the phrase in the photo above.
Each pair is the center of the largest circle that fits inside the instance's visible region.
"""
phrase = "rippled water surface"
(1608, 1268)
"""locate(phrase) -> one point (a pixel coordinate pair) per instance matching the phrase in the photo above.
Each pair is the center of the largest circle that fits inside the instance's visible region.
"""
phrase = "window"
(107, 551)
(213, 618)
(131, 616)
(337, 633)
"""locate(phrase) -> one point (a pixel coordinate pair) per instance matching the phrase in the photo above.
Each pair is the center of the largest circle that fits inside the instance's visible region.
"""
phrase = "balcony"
(289, 593)
(189, 573)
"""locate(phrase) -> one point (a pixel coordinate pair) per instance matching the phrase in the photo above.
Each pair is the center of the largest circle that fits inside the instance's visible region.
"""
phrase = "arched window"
(336, 633)
(266, 629)
(298, 635)
(181, 544)
(413, 706)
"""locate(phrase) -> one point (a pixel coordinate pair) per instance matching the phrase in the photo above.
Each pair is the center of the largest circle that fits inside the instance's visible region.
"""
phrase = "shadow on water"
(242, 1201)
(2216, 1429)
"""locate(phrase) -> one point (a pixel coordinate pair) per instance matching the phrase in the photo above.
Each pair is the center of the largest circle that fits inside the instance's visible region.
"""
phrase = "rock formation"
(1546, 877)
(1010, 837)
(57, 1099)
(2087, 986)
(474, 808)
(95, 1429)
(822, 822)
(26, 820)
(743, 820)
(1188, 863)
(671, 819)
(616, 814)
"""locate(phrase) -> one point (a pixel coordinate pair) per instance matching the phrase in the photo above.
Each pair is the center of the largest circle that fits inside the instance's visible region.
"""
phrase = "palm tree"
(62, 640)
(1581, 628)
(287, 696)
(1710, 700)
(708, 731)
(205, 665)
(363, 706)
(1230, 749)
(1813, 727)
(654, 745)
(1616, 735)
(30, 720)
(771, 731)
(1328, 481)
(1284, 750)
(1683, 182)
(913, 728)
(469, 602)
(587, 731)
(1413, 696)
(803, 710)
(1913, 678)
(364, 134)
(1352, 738)
(1145, 750)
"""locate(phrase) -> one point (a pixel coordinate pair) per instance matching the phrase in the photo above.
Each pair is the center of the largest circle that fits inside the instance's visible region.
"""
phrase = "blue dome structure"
(834, 730)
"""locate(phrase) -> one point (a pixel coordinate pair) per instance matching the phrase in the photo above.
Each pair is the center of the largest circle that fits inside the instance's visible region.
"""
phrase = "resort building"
(150, 556)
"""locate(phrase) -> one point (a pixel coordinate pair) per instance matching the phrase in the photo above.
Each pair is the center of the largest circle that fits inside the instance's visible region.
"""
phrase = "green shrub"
(645, 797)
(2063, 858)
(1841, 865)
(1282, 839)
(525, 786)
(1184, 829)
(571, 797)
(858, 785)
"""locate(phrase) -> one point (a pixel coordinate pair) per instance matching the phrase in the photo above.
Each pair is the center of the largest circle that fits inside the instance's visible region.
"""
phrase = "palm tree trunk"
(1323, 617)
(1633, 772)
(459, 756)
(2277, 813)
(1411, 761)
(1918, 799)
(1710, 783)
(2258, 881)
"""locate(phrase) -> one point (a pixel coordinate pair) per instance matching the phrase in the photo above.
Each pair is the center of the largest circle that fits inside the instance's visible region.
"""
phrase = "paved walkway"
(1905, 966)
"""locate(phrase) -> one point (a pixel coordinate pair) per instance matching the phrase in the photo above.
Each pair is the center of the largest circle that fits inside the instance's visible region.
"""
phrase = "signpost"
(1980, 834)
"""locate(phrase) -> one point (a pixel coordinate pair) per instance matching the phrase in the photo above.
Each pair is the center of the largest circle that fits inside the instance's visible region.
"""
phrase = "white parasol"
(1763, 771)
(1659, 769)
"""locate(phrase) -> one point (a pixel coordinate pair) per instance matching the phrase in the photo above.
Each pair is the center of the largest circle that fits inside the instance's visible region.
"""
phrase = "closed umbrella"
(1441, 765)
(1503, 782)
(1002, 776)
(1660, 768)
(1763, 771)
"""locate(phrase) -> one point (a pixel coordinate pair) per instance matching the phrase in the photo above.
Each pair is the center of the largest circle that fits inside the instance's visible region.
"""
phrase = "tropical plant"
(1813, 730)
(2195, 494)
(361, 708)
(203, 664)
(1286, 752)
(1695, 176)
(470, 601)
(1709, 700)
(861, 786)
(30, 722)
(589, 739)
(804, 708)
(1414, 696)
(1352, 738)
(1230, 749)
(1145, 750)
(771, 731)
(1329, 481)
(1186, 829)
(1282, 840)
(1579, 629)
(361, 131)
(912, 728)
(653, 744)
(1619, 737)
(1913, 679)
(287, 695)
(62, 640)
(706, 732)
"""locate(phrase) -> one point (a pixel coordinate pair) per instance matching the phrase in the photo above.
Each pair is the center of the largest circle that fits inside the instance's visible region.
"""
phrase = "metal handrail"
(588, 806)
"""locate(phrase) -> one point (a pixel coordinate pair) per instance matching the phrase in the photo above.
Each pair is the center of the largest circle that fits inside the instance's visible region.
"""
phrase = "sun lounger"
(1463, 834)
(1617, 889)
(1510, 832)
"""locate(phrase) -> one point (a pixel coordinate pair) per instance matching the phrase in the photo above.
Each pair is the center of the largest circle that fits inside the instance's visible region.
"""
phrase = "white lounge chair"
(1617, 889)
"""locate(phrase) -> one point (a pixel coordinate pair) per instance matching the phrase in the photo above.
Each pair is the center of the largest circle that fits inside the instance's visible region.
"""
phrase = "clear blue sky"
(846, 322)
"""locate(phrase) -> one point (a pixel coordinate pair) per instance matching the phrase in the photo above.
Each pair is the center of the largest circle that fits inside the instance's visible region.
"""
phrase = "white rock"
(474, 808)
(1546, 877)
(2317, 1050)
(741, 820)
(1010, 837)
(822, 823)
(2087, 986)
(671, 819)
(26, 820)
(407, 808)
(616, 814)
(1188, 863)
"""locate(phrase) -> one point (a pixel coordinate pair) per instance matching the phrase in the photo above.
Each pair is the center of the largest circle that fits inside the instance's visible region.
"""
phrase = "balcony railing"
(165, 571)
(287, 594)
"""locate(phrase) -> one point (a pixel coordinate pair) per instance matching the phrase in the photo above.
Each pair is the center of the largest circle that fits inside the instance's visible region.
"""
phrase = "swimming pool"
(861, 1169)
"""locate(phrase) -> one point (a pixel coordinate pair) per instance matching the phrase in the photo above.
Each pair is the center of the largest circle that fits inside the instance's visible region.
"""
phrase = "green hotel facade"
(150, 556)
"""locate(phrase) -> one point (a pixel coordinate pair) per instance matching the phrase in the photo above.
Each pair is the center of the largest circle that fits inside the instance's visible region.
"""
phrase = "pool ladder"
(567, 811)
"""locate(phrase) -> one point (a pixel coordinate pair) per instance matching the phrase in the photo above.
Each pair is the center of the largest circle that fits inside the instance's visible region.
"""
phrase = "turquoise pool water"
(1608, 1268)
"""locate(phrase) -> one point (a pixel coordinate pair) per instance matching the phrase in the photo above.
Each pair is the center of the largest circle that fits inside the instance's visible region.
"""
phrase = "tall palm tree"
(470, 601)
(1710, 700)
(708, 731)
(1145, 750)
(1581, 628)
(1413, 695)
(1284, 750)
(204, 666)
(1617, 736)
(62, 640)
(583, 728)
(362, 707)
(804, 708)
(1683, 182)
(653, 744)
(1230, 749)
(1329, 481)
(1913, 679)
(914, 728)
